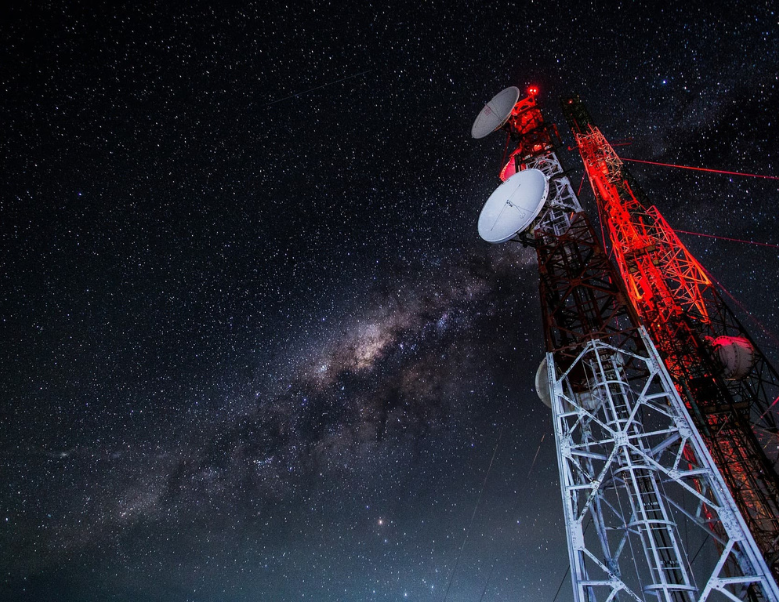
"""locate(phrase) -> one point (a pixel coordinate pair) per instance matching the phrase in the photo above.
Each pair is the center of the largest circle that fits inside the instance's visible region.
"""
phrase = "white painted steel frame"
(633, 465)
(561, 202)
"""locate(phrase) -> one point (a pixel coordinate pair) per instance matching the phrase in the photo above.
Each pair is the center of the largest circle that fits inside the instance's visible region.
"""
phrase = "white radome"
(736, 355)
(513, 206)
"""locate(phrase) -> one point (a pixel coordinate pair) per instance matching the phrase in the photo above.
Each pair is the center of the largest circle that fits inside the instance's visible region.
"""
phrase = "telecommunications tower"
(724, 379)
(648, 516)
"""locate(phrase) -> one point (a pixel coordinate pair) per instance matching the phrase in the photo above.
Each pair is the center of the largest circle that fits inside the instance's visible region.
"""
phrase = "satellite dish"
(513, 206)
(543, 390)
(495, 113)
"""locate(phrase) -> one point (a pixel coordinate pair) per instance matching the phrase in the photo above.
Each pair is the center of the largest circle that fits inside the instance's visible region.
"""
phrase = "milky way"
(252, 347)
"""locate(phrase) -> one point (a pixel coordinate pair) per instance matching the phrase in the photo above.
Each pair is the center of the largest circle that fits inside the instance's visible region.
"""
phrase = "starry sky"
(251, 345)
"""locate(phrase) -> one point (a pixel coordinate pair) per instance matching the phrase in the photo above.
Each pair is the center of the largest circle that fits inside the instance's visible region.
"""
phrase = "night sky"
(251, 345)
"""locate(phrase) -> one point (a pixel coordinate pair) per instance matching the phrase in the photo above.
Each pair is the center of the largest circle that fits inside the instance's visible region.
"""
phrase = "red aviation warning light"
(526, 129)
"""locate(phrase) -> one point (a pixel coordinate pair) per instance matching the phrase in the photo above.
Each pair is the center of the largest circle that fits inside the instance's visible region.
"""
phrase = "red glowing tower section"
(727, 384)
(528, 130)
(663, 279)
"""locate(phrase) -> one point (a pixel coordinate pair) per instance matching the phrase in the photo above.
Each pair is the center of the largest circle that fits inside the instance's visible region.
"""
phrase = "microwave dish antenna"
(513, 206)
(495, 113)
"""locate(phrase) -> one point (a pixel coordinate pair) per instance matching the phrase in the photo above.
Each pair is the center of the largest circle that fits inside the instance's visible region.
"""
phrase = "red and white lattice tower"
(648, 516)
(726, 382)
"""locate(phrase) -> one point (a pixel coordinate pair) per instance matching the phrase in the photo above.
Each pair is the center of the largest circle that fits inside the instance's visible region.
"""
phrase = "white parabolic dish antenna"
(513, 206)
(495, 113)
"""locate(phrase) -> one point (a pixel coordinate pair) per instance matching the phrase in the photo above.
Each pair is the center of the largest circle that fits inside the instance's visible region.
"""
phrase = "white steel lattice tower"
(647, 514)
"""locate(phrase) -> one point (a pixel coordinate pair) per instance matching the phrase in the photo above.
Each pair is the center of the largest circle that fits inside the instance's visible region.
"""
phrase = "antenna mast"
(640, 490)
(724, 379)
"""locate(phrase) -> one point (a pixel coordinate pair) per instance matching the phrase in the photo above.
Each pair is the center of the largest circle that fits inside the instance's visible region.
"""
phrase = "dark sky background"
(252, 347)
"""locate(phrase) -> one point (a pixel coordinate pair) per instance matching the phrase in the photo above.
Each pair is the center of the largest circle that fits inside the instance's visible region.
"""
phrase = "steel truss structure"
(635, 474)
(640, 491)
(648, 517)
(684, 313)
